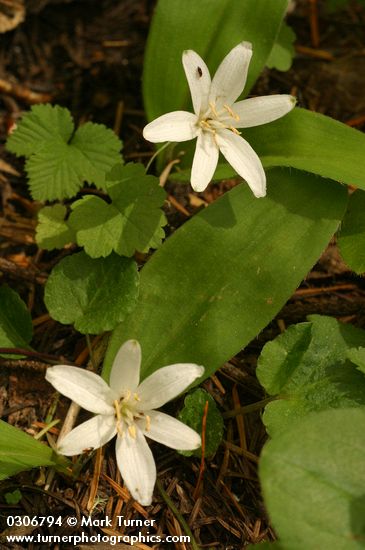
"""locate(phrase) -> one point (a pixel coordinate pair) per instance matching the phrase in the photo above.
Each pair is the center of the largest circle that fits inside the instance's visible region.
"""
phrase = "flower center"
(213, 120)
(126, 414)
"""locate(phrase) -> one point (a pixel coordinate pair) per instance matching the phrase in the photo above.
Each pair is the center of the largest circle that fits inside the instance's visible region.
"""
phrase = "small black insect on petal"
(200, 72)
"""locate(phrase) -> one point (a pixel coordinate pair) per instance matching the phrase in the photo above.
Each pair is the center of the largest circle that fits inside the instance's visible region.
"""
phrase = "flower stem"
(177, 514)
(155, 155)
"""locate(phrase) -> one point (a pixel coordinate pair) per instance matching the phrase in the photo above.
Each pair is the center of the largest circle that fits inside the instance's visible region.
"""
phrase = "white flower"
(126, 409)
(216, 118)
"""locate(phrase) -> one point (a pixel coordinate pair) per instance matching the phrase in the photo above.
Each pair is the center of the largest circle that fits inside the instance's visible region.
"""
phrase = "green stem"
(177, 514)
(248, 408)
(46, 429)
(155, 155)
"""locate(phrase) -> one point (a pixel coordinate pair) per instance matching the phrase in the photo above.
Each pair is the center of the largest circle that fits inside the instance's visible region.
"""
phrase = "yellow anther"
(132, 431)
(148, 423)
(235, 131)
(231, 112)
(136, 397)
(212, 108)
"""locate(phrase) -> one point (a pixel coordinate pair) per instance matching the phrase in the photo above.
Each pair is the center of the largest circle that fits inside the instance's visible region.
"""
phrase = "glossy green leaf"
(313, 481)
(19, 451)
(52, 230)
(308, 141)
(283, 52)
(16, 329)
(192, 414)
(306, 367)
(211, 28)
(94, 295)
(352, 235)
(133, 221)
(221, 277)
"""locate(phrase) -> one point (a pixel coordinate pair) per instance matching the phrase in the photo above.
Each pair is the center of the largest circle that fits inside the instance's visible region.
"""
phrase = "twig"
(23, 93)
(13, 269)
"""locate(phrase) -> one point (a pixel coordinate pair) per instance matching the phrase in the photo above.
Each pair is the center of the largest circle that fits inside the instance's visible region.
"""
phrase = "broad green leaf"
(222, 276)
(52, 230)
(306, 367)
(133, 221)
(307, 141)
(192, 414)
(352, 235)
(94, 295)
(357, 356)
(211, 28)
(19, 451)
(313, 481)
(283, 52)
(16, 328)
(43, 123)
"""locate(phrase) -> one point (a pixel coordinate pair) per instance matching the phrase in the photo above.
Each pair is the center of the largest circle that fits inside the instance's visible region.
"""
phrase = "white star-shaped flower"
(126, 409)
(216, 118)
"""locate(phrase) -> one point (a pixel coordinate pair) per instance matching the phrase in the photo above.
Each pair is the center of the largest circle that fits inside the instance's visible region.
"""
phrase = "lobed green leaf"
(133, 221)
(42, 124)
(52, 230)
(283, 52)
(59, 161)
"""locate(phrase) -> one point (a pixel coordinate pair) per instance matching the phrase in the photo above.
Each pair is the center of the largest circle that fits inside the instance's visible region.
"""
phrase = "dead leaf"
(12, 13)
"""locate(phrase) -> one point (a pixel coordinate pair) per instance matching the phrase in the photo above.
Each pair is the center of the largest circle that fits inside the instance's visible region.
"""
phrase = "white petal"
(166, 383)
(124, 375)
(261, 110)
(170, 432)
(175, 126)
(86, 388)
(244, 160)
(231, 75)
(205, 161)
(198, 77)
(92, 434)
(137, 466)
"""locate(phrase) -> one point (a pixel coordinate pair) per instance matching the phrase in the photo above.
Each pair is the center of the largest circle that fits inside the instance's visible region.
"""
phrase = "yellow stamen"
(231, 112)
(234, 130)
(212, 108)
(132, 431)
(136, 397)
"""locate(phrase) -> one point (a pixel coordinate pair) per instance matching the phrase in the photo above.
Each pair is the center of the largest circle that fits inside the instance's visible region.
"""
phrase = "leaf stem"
(177, 514)
(248, 408)
(155, 155)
